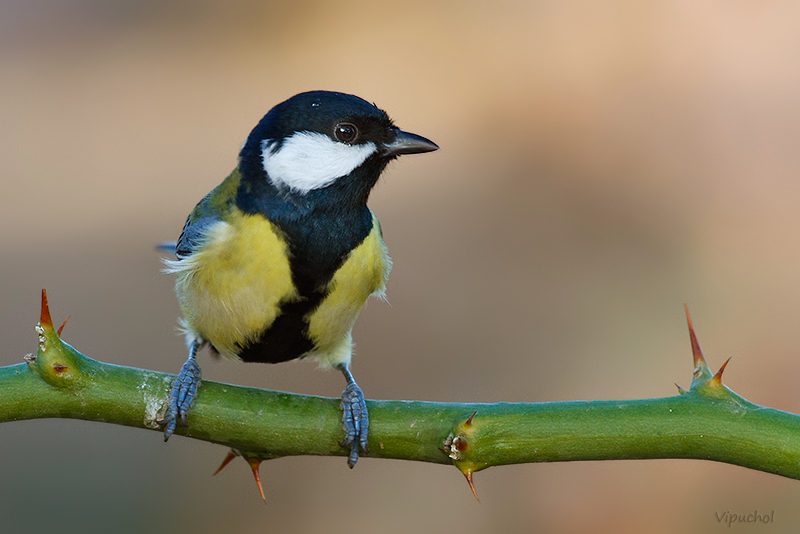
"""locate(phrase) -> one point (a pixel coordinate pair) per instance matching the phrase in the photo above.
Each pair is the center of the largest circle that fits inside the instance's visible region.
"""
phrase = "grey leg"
(184, 391)
(355, 419)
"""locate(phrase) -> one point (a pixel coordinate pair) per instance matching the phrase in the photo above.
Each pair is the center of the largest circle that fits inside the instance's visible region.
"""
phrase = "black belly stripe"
(287, 338)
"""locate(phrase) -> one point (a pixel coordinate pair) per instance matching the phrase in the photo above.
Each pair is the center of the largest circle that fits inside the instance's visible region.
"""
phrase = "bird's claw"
(355, 421)
(182, 396)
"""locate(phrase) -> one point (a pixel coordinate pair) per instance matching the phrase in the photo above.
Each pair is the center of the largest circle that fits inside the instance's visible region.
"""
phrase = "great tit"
(275, 263)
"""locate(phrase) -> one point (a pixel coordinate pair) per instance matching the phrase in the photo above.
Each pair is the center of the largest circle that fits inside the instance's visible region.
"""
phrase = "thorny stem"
(708, 421)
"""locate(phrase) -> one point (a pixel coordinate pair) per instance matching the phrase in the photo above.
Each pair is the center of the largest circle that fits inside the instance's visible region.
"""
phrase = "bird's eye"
(345, 132)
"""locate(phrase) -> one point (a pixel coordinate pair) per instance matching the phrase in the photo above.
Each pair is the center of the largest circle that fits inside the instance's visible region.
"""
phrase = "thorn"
(254, 463)
(469, 421)
(45, 320)
(681, 390)
(61, 328)
(696, 352)
(232, 454)
(716, 381)
(468, 474)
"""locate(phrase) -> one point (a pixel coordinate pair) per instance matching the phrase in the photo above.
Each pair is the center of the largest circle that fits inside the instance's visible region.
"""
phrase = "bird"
(276, 262)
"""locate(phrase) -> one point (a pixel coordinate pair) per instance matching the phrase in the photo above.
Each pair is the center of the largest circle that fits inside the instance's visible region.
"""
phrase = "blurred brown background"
(601, 164)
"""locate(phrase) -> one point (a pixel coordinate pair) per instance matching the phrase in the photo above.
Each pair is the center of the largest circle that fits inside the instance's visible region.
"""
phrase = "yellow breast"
(233, 286)
(363, 273)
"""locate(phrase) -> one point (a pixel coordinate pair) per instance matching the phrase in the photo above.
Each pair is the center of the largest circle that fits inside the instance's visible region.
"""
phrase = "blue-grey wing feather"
(192, 235)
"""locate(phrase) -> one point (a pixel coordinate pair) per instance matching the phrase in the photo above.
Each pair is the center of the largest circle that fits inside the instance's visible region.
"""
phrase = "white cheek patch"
(309, 160)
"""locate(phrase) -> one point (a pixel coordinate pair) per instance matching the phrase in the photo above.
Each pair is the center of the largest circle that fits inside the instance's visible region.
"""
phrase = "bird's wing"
(192, 235)
(214, 207)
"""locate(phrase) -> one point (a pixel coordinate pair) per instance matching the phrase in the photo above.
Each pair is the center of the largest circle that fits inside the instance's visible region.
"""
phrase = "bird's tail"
(167, 246)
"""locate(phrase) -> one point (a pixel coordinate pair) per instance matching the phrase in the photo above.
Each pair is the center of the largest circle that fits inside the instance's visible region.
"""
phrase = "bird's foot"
(355, 421)
(182, 396)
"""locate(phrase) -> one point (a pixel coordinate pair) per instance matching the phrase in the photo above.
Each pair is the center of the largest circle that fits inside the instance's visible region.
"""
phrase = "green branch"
(707, 422)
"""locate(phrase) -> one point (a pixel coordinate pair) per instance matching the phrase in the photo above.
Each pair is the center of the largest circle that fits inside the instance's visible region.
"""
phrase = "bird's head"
(322, 143)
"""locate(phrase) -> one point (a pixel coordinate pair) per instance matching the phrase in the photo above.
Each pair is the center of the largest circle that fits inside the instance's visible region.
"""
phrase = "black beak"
(409, 143)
